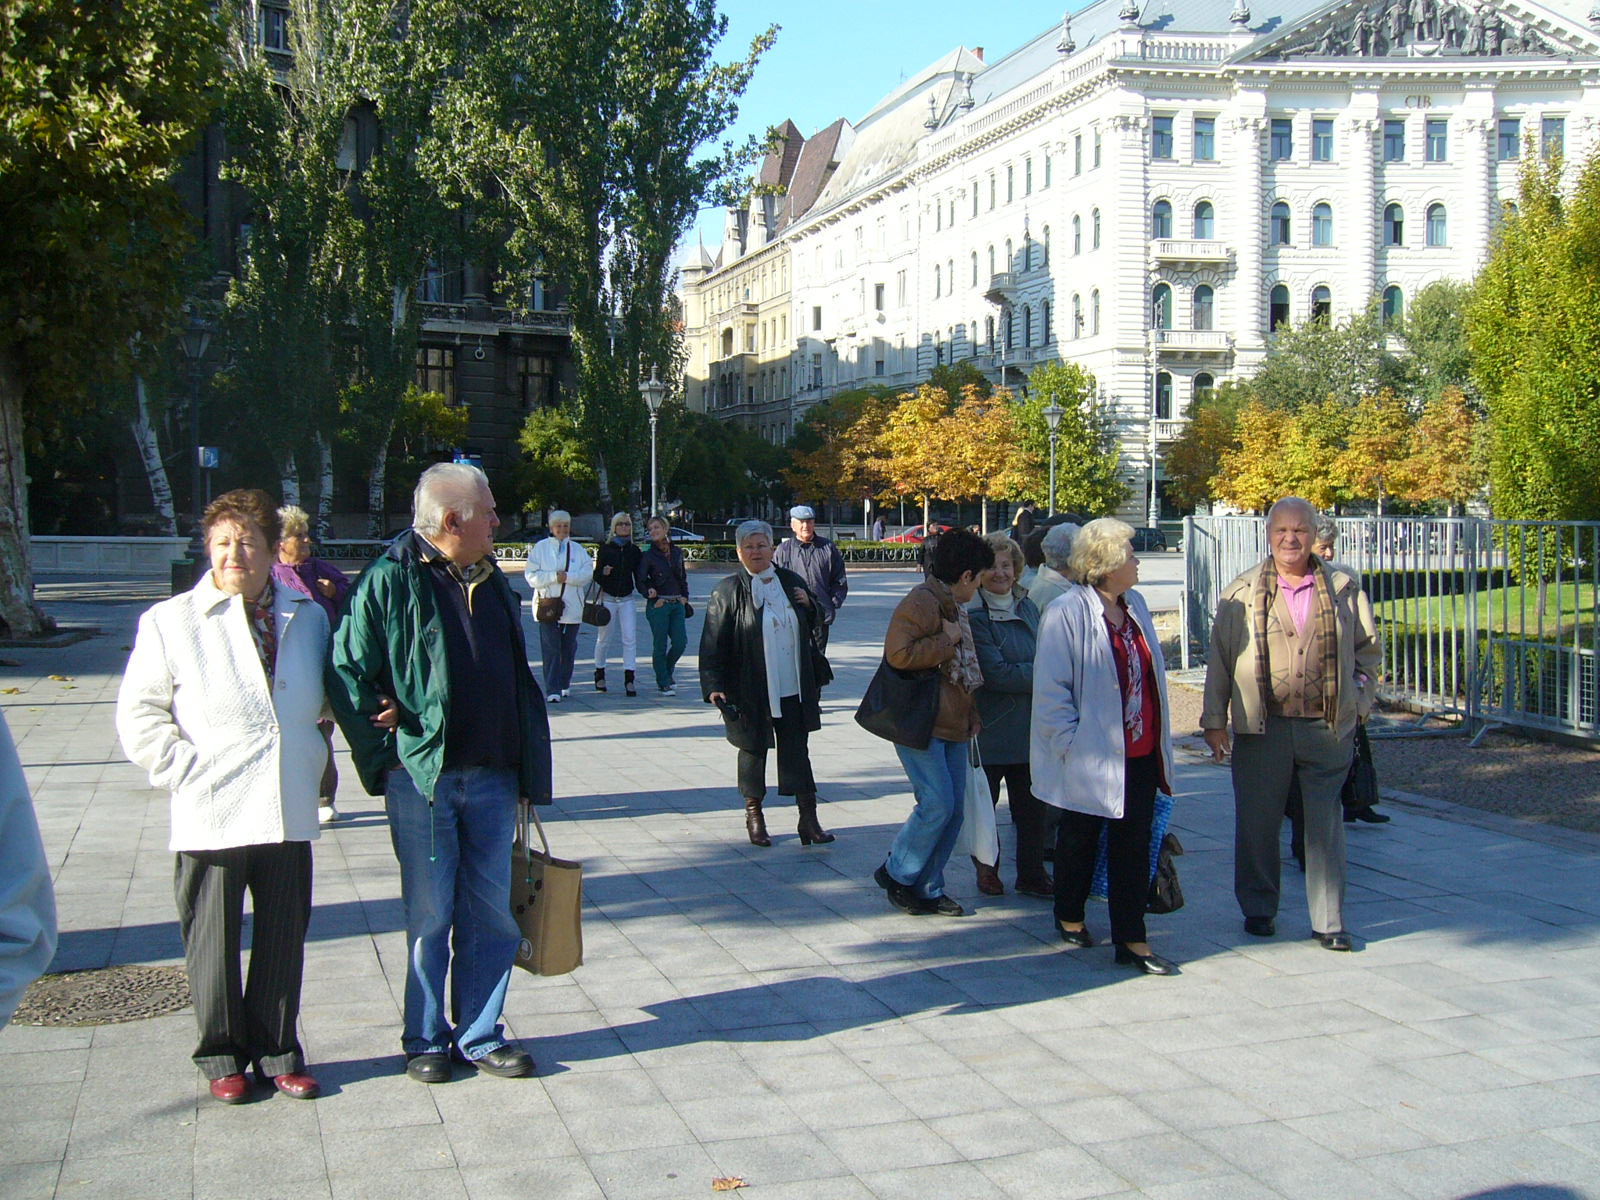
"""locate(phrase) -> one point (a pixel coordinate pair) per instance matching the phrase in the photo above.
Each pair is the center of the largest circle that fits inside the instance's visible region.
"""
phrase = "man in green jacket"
(429, 681)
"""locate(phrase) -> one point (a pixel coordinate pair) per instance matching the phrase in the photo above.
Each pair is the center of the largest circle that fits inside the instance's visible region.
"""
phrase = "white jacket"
(548, 557)
(243, 765)
(1077, 747)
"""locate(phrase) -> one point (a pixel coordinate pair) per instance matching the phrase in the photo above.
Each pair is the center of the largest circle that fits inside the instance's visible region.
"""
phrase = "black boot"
(754, 823)
(810, 831)
(627, 683)
(600, 679)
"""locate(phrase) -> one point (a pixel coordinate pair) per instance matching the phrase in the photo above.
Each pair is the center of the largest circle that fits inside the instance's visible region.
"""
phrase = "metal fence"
(1488, 622)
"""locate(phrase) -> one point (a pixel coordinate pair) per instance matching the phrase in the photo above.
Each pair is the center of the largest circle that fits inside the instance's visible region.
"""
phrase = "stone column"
(1244, 224)
(1356, 227)
(1479, 205)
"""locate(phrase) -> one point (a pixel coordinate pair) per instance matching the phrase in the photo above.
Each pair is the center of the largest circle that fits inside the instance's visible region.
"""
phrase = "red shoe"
(231, 1089)
(297, 1085)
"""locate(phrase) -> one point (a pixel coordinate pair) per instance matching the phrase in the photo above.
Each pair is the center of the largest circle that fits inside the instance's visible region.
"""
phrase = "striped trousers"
(251, 1020)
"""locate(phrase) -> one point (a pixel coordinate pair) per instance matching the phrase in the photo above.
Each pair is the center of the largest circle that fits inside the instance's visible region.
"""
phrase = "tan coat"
(1231, 686)
(917, 641)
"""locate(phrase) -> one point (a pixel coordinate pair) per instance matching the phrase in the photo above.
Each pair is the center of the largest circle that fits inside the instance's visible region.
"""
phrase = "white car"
(678, 535)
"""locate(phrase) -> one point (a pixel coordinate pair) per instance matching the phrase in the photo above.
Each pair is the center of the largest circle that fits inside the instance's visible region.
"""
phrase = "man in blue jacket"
(429, 681)
(817, 561)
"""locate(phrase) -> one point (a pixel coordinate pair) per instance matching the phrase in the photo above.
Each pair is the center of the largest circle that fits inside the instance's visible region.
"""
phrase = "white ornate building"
(1144, 191)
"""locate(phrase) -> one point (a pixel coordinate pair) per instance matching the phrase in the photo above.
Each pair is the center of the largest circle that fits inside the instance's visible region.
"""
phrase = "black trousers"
(1127, 854)
(251, 1021)
(1033, 818)
(794, 757)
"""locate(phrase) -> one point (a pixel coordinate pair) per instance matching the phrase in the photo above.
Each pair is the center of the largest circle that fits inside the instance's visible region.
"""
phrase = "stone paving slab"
(766, 1014)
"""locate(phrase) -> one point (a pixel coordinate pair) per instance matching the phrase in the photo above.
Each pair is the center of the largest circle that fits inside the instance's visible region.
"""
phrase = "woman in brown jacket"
(929, 629)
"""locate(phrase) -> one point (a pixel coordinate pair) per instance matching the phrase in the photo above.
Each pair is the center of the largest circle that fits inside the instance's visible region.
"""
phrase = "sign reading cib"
(1419, 101)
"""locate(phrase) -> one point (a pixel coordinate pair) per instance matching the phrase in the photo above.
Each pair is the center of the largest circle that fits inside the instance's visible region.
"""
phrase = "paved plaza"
(765, 1014)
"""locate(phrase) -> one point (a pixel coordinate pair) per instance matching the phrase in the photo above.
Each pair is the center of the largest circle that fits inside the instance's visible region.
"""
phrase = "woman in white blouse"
(559, 569)
(758, 665)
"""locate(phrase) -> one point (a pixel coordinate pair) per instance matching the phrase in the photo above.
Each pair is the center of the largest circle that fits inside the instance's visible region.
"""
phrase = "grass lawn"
(1510, 610)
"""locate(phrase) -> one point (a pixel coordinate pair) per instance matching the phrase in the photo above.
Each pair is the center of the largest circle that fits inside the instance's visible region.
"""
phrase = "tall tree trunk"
(602, 477)
(289, 480)
(324, 486)
(927, 502)
(21, 616)
(144, 436)
(377, 485)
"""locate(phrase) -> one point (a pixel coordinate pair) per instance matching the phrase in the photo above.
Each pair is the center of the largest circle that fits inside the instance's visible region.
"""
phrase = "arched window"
(1045, 248)
(974, 268)
(1204, 299)
(1394, 225)
(1094, 220)
(1161, 220)
(988, 331)
(991, 260)
(1094, 311)
(936, 281)
(1394, 305)
(1280, 224)
(1027, 326)
(1203, 387)
(1077, 235)
(1077, 315)
(1161, 307)
(1205, 221)
(1047, 334)
(1322, 225)
(1437, 229)
(1321, 304)
(1010, 318)
(1163, 396)
(950, 274)
(1277, 307)
(1011, 263)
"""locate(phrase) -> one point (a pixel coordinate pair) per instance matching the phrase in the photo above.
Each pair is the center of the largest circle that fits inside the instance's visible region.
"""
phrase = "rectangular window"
(1394, 141)
(878, 367)
(1322, 139)
(1046, 170)
(1205, 139)
(877, 296)
(1438, 131)
(1509, 143)
(1097, 147)
(1552, 133)
(436, 372)
(1077, 154)
(536, 381)
(275, 28)
(900, 289)
(1161, 137)
(1281, 147)
(816, 370)
(816, 316)
(1027, 177)
(991, 193)
(1011, 184)
(974, 197)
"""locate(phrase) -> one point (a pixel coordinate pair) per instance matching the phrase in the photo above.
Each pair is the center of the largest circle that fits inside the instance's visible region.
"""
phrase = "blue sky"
(837, 58)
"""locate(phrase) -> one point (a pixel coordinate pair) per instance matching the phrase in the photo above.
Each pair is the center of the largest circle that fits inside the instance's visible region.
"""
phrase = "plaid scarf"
(1133, 697)
(264, 629)
(1262, 597)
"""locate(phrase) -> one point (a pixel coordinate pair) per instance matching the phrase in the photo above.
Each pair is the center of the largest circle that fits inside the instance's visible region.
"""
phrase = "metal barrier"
(1491, 622)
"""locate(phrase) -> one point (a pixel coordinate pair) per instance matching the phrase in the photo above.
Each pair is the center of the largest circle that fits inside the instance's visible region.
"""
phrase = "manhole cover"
(104, 997)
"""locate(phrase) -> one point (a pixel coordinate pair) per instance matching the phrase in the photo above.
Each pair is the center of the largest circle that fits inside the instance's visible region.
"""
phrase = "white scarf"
(780, 638)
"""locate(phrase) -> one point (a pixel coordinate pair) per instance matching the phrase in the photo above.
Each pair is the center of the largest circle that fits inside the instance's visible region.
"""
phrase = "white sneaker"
(566, 693)
(553, 698)
(326, 813)
(669, 690)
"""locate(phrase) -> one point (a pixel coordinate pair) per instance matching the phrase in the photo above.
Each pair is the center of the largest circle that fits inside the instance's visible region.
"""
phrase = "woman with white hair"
(558, 570)
(1101, 746)
(759, 666)
(1054, 577)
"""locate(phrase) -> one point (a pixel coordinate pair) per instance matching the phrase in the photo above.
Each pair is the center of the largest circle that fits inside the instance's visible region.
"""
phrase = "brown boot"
(754, 823)
(810, 830)
(989, 880)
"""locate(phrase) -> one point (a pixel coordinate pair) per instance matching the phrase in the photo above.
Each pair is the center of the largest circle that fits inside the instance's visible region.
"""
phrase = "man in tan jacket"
(1294, 661)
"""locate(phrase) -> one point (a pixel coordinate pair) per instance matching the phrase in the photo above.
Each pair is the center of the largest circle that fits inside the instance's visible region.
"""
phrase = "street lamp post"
(195, 341)
(653, 391)
(1052, 418)
(1154, 513)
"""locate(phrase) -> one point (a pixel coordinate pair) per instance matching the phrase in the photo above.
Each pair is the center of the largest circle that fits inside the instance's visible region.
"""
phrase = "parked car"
(679, 534)
(527, 534)
(917, 533)
(1147, 537)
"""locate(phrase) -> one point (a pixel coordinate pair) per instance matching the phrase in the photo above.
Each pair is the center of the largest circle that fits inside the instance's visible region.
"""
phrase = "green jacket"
(391, 643)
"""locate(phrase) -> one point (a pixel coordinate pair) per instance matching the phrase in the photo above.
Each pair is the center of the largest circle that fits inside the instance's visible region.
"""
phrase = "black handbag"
(594, 611)
(901, 706)
(1361, 784)
(1166, 894)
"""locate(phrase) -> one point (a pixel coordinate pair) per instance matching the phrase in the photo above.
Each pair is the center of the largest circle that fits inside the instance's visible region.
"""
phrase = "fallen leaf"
(728, 1184)
(62, 678)
(10, 691)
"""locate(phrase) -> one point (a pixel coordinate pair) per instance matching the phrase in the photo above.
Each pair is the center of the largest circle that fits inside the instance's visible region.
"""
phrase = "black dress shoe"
(429, 1068)
(507, 1061)
(1150, 964)
(1260, 926)
(1338, 940)
(1369, 814)
(1041, 887)
(1081, 938)
(899, 894)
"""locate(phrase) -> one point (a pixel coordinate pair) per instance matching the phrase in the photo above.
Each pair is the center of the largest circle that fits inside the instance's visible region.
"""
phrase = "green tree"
(834, 451)
(954, 380)
(97, 102)
(1447, 461)
(1193, 460)
(555, 471)
(1310, 362)
(1533, 329)
(1376, 451)
(1434, 335)
(1086, 450)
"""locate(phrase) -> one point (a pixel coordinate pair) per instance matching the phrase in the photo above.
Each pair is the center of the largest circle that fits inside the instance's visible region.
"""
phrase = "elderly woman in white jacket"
(558, 571)
(219, 703)
(1100, 743)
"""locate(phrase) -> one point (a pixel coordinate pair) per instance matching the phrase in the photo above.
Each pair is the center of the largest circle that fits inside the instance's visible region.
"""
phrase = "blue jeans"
(667, 639)
(939, 782)
(455, 883)
(558, 650)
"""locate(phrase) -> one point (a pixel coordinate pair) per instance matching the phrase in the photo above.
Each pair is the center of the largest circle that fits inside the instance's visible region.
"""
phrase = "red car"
(917, 533)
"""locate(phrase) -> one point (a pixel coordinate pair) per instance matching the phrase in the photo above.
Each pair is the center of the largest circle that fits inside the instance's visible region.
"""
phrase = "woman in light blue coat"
(1100, 745)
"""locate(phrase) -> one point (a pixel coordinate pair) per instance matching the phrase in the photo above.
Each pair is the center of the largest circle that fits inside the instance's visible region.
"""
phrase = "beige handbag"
(547, 902)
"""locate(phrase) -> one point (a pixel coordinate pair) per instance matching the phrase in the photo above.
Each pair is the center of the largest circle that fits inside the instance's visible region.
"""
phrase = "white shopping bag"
(978, 836)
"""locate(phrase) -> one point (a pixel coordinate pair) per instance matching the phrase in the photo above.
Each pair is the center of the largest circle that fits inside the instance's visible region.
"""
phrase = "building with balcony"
(1149, 191)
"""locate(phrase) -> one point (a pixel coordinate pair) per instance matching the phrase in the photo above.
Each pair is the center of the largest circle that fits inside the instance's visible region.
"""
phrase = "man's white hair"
(558, 515)
(446, 488)
(1305, 506)
(1057, 546)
